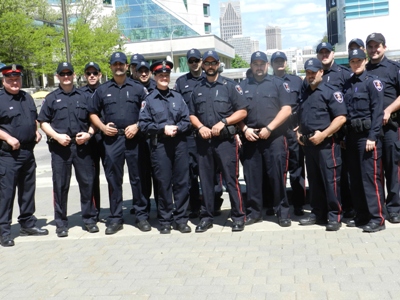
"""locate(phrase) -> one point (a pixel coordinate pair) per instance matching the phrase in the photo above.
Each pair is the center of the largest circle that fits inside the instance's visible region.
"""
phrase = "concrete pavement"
(264, 261)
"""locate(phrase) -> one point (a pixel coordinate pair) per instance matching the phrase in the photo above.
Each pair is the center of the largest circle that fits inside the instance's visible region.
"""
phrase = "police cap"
(358, 42)
(357, 53)
(210, 53)
(12, 70)
(278, 54)
(193, 53)
(143, 64)
(161, 66)
(118, 57)
(259, 55)
(64, 66)
(313, 64)
(376, 37)
(92, 65)
(136, 59)
(324, 45)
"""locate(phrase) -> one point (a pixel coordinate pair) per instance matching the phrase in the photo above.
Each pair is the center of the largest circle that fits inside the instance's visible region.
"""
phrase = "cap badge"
(355, 52)
(258, 54)
(372, 35)
(310, 62)
(91, 63)
(65, 64)
(191, 51)
(14, 67)
(116, 54)
(164, 64)
(135, 57)
(210, 52)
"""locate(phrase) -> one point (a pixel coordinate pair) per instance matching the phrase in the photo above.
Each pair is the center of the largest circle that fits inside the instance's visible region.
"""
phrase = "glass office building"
(366, 8)
(143, 20)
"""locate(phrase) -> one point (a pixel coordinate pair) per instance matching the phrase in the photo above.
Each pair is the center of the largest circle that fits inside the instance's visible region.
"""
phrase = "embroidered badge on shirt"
(286, 86)
(143, 105)
(378, 85)
(239, 89)
(338, 96)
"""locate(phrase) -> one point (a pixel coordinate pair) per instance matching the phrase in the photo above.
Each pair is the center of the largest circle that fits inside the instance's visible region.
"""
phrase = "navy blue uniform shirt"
(211, 102)
(319, 107)
(18, 116)
(295, 84)
(364, 100)
(388, 72)
(336, 76)
(186, 83)
(265, 100)
(67, 113)
(120, 105)
(158, 111)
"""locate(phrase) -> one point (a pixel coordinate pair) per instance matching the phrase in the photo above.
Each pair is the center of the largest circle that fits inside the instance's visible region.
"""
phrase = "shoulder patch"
(286, 86)
(143, 105)
(146, 90)
(378, 85)
(239, 89)
(338, 96)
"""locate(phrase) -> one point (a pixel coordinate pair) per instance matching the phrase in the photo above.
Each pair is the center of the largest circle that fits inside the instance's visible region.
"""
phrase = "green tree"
(239, 62)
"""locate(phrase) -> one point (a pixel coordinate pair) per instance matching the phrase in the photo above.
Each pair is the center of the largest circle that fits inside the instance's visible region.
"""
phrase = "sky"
(303, 22)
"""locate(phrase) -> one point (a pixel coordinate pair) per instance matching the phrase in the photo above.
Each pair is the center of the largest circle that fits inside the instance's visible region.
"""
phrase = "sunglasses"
(95, 73)
(195, 61)
(210, 63)
(65, 74)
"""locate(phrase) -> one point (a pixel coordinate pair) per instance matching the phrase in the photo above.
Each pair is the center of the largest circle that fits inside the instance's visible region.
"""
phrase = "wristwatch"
(224, 121)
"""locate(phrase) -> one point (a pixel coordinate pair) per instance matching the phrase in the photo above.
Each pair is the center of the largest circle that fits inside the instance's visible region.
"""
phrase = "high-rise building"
(273, 37)
(244, 46)
(230, 20)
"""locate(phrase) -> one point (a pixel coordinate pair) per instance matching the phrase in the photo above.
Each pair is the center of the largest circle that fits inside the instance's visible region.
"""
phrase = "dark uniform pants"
(273, 154)
(323, 164)
(170, 162)
(146, 172)
(17, 169)
(224, 154)
(97, 153)
(365, 178)
(391, 160)
(62, 159)
(296, 169)
(194, 189)
(118, 149)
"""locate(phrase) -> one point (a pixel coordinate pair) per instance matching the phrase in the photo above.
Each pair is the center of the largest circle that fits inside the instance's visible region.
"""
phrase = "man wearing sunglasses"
(18, 137)
(93, 76)
(185, 85)
(216, 106)
(118, 101)
(64, 117)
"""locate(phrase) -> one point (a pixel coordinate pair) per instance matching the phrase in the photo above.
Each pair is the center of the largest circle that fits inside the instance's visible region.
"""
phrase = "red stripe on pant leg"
(378, 196)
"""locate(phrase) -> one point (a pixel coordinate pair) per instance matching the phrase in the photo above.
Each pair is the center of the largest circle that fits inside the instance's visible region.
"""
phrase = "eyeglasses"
(65, 74)
(210, 63)
(95, 73)
(195, 61)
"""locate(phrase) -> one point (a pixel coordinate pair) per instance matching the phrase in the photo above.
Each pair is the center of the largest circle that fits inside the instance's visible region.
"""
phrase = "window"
(107, 2)
(206, 10)
(207, 28)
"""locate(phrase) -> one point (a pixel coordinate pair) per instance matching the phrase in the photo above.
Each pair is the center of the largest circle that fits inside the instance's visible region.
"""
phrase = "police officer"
(364, 100)
(135, 60)
(143, 76)
(93, 76)
(322, 113)
(118, 101)
(64, 117)
(337, 76)
(296, 155)
(388, 72)
(185, 85)
(18, 137)
(269, 106)
(165, 116)
(217, 104)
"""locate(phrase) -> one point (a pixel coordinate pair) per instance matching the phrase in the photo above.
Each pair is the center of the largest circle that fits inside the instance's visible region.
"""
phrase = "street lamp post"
(65, 23)
(172, 52)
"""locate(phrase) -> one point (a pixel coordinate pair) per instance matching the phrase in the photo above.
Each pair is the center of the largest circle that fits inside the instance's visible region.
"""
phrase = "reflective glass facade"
(144, 20)
(366, 8)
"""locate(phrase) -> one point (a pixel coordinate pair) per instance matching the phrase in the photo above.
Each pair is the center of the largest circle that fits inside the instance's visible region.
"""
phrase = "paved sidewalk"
(264, 261)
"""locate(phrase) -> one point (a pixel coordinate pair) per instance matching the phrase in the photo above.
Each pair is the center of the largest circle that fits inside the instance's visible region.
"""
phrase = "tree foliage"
(239, 62)
(32, 34)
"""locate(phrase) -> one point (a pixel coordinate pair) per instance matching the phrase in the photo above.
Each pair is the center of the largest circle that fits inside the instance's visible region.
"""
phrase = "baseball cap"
(211, 53)
(64, 66)
(118, 57)
(92, 65)
(193, 53)
(359, 42)
(136, 58)
(278, 54)
(357, 53)
(142, 64)
(324, 45)
(258, 55)
(376, 37)
(313, 64)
